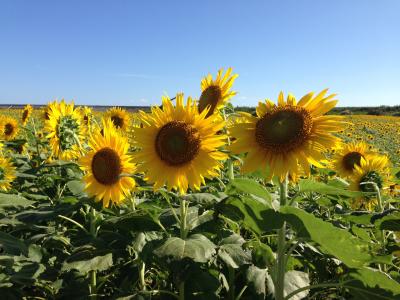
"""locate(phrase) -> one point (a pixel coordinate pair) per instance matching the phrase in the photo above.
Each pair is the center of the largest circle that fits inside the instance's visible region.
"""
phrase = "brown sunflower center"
(8, 129)
(210, 96)
(177, 143)
(25, 114)
(106, 166)
(351, 159)
(284, 129)
(118, 121)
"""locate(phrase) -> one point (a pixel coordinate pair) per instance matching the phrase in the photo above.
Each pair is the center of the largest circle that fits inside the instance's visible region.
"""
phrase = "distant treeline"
(382, 110)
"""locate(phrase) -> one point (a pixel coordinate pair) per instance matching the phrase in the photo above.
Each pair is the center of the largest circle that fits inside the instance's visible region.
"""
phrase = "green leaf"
(310, 185)
(197, 247)
(12, 245)
(389, 222)
(256, 277)
(10, 200)
(76, 187)
(373, 284)
(231, 252)
(252, 187)
(97, 263)
(334, 241)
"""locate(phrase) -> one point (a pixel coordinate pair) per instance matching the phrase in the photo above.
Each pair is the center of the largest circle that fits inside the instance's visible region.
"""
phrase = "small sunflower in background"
(7, 173)
(106, 164)
(9, 127)
(26, 113)
(282, 137)
(65, 131)
(373, 170)
(46, 110)
(216, 93)
(349, 156)
(178, 146)
(87, 115)
(119, 117)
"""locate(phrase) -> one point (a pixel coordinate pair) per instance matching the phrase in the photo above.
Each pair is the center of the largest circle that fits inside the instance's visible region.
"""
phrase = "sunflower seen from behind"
(26, 113)
(107, 166)
(7, 173)
(282, 137)
(9, 128)
(215, 93)
(373, 173)
(178, 147)
(119, 117)
(65, 131)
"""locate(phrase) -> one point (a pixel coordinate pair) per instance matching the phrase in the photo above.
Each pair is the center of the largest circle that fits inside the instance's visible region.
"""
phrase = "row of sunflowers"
(284, 170)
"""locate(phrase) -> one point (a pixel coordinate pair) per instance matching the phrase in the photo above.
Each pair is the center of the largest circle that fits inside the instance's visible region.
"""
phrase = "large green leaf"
(389, 222)
(9, 200)
(231, 251)
(373, 284)
(197, 247)
(334, 241)
(12, 245)
(97, 263)
(252, 187)
(310, 185)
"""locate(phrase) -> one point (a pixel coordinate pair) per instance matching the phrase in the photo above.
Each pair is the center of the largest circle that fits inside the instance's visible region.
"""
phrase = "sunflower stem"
(92, 274)
(281, 258)
(183, 229)
(142, 271)
(383, 235)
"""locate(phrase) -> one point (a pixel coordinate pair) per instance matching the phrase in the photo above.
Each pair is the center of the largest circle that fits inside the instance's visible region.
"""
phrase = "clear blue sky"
(132, 52)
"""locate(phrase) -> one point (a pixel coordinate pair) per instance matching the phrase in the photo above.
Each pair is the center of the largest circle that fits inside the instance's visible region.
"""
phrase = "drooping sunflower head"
(26, 113)
(215, 93)
(119, 117)
(9, 127)
(372, 173)
(288, 134)
(65, 130)
(108, 166)
(178, 146)
(349, 156)
(7, 173)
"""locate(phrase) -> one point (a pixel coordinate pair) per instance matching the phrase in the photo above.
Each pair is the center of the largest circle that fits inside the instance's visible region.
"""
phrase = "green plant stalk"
(142, 270)
(231, 280)
(183, 215)
(92, 274)
(281, 259)
(381, 209)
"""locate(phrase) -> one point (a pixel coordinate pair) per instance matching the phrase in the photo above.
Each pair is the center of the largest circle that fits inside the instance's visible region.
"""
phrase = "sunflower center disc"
(210, 96)
(25, 115)
(371, 176)
(8, 129)
(177, 143)
(284, 129)
(106, 166)
(352, 159)
(118, 122)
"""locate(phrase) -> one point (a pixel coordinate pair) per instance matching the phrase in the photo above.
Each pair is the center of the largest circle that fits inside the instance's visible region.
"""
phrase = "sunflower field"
(194, 200)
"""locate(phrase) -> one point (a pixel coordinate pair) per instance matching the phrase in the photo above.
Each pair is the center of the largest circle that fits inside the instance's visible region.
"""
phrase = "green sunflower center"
(371, 176)
(177, 143)
(118, 121)
(284, 129)
(2, 174)
(8, 129)
(211, 96)
(106, 166)
(351, 159)
(68, 132)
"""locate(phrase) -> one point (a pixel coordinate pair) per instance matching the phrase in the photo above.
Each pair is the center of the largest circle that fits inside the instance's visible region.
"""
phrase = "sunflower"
(373, 169)
(347, 157)
(46, 110)
(7, 173)
(105, 165)
(282, 137)
(215, 93)
(26, 113)
(178, 146)
(119, 117)
(86, 116)
(65, 130)
(9, 127)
